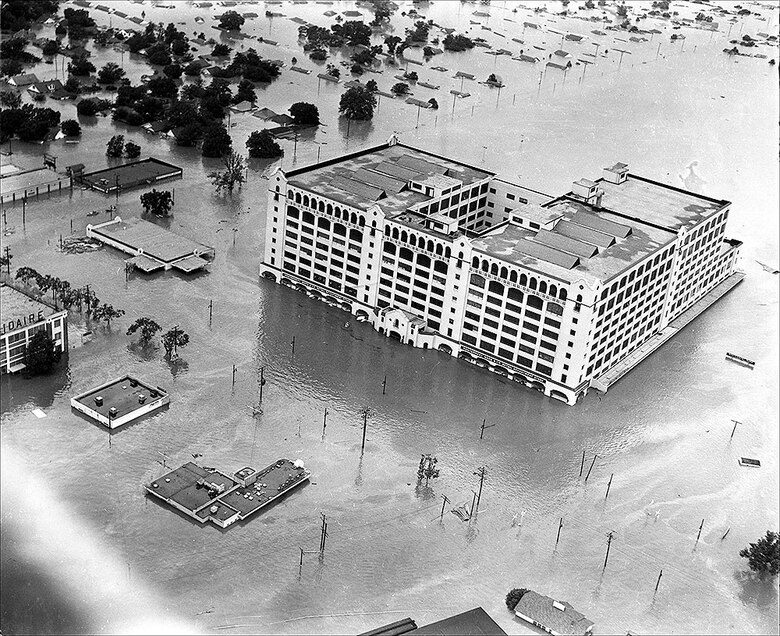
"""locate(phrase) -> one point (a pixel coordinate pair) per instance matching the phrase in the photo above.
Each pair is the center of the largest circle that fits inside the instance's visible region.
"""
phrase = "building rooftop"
(475, 622)
(558, 616)
(16, 305)
(380, 175)
(122, 394)
(657, 203)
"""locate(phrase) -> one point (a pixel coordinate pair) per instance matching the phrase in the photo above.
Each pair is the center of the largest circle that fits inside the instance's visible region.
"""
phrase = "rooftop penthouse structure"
(557, 293)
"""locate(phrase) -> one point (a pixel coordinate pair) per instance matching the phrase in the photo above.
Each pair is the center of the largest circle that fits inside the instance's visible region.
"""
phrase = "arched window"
(579, 298)
(429, 246)
(356, 235)
(423, 261)
(297, 197)
(353, 218)
(532, 283)
(475, 263)
(404, 237)
(321, 206)
(323, 223)
(439, 251)
(562, 294)
(389, 248)
(293, 212)
(406, 254)
(485, 266)
(543, 287)
(494, 269)
(337, 212)
(395, 233)
(555, 308)
(448, 253)
(534, 301)
(496, 287)
(524, 280)
(421, 242)
(329, 208)
(504, 273)
(477, 281)
(553, 290)
(513, 276)
(361, 221)
(308, 217)
(387, 230)
(305, 201)
(338, 228)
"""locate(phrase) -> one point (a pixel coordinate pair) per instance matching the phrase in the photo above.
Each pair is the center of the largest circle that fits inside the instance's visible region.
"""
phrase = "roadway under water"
(81, 541)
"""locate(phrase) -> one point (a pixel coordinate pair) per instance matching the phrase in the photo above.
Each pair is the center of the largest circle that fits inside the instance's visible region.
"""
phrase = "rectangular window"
(469, 339)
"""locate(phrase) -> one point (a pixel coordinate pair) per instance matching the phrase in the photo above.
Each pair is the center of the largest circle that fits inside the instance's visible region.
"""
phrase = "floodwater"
(83, 550)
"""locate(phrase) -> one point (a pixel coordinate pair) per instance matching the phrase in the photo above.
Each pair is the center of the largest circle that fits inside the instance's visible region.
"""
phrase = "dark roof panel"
(394, 170)
(362, 190)
(379, 180)
(566, 243)
(415, 163)
(549, 254)
(618, 230)
(582, 233)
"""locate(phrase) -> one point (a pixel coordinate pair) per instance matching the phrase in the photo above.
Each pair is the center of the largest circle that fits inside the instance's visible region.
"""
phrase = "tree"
(192, 69)
(173, 339)
(81, 66)
(132, 150)
(764, 555)
(372, 86)
(11, 67)
(357, 102)
(10, 99)
(220, 50)
(513, 597)
(356, 69)
(216, 141)
(231, 20)
(622, 11)
(457, 42)
(163, 87)
(235, 170)
(400, 89)
(51, 47)
(245, 92)
(333, 70)
(71, 128)
(40, 355)
(111, 73)
(412, 76)
(72, 85)
(262, 144)
(353, 32)
(157, 202)
(427, 469)
(392, 41)
(173, 71)
(433, 103)
(189, 134)
(91, 106)
(107, 312)
(115, 146)
(147, 327)
(305, 114)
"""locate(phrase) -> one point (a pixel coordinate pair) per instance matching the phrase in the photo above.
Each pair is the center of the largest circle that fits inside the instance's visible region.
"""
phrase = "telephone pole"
(560, 525)
(481, 473)
(365, 412)
(483, 427)
(324, 533)
(610, 535)
(658, 582)
(444, 502)
(609, 485)
(262, 382)
(324, 421)
(699, 534)
(591, 468)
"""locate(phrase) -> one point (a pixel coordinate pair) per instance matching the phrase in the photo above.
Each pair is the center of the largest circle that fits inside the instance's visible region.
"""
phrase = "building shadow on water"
(31, 602)
(757, 590)
(17, 389)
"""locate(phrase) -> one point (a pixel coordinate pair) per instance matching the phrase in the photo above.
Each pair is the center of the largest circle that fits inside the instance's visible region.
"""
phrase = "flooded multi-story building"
(558, 293)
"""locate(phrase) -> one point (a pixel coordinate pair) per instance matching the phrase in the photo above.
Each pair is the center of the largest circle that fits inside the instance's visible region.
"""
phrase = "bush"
(513, 597)
(132, 150)
(71, 128)
(81, 67)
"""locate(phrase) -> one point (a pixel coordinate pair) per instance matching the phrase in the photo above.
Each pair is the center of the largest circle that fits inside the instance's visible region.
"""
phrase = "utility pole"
(324, 421)
(700, 527)
(582, 463)
(444, 502)
(591, 468)
(609, 485)
(610, 534)
(262, 382)
(384, 385)
(324, 533)
(657, 583)
(481, 473)
(365, 411)
(234, 375)
(557, 538)
(211, 309)
(483, 427)
(292, 345)
(733, 430)
(8, 258)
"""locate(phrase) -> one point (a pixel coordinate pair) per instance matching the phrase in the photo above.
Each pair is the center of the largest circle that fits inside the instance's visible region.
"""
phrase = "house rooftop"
(355, 180)
(558, 617)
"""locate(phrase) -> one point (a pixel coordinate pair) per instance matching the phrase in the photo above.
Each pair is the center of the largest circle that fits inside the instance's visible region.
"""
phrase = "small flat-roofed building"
(21, 316)
(559, 294)
(119, 401)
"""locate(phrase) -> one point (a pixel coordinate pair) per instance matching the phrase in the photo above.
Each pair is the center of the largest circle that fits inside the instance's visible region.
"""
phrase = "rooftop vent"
(616, 173)
(559, 606)
(588, 191)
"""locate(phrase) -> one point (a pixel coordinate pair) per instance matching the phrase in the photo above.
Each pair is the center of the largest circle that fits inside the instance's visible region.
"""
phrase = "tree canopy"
(305, 114)
(357, 102)
(262, 144)
(513, 597)
(216, 141)
(147, 326)
(764, 555)
(231, 20)
(40, 354)
(158, 202)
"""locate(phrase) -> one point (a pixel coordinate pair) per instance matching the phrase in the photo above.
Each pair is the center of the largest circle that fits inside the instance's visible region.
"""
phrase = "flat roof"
(154, 240)
(15, 305)
(658, 203)
(474, 622)
(120, 395)
(345, 179)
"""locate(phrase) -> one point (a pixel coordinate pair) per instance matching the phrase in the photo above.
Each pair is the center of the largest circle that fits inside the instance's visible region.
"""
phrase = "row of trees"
(116, 146)
(27, 122)
(147, 328)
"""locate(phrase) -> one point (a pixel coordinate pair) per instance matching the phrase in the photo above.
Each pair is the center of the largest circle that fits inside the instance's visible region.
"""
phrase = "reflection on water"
(663, 431)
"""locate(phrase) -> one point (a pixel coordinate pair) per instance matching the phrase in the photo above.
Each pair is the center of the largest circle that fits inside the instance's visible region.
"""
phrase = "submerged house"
(554, 617)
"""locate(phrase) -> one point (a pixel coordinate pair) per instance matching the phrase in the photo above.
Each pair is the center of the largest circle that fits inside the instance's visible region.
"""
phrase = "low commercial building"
(21, 316)
(558, 618)
(557, 293)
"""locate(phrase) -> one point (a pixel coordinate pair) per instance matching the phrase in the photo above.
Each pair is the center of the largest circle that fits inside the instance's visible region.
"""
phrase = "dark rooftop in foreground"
(379, 175)
(474, 622)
